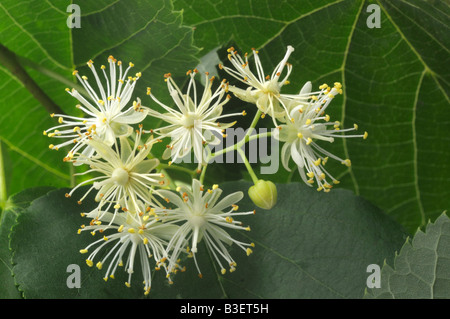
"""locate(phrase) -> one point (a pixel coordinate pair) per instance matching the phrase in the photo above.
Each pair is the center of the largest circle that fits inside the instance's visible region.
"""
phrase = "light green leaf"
(422, 268)
(146, 32)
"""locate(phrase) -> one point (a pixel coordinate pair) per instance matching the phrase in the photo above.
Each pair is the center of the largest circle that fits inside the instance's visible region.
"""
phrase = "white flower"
(203, 217)
(308, 124)
(140, 233)
(125, 172)
(194, 123)
(105, 112)
(262, 90)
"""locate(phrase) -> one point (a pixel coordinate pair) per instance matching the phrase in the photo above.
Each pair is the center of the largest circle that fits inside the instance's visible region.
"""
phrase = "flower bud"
(263, 194)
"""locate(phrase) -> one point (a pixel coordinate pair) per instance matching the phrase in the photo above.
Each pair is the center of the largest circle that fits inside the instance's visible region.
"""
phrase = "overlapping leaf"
(422, 268)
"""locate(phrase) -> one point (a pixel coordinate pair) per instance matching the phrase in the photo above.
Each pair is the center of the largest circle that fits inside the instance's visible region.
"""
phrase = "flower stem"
(248, 166)
(202, 175)
(164, 166)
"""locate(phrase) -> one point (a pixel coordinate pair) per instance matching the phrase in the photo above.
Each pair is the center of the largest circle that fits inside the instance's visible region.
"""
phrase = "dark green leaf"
(311, 245)
(15, 205)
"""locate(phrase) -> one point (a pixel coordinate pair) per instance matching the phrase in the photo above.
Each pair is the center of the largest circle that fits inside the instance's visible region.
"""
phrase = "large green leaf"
(14, 206)
(395, 80)
(146, 32)
(311, 245)
(422, 268)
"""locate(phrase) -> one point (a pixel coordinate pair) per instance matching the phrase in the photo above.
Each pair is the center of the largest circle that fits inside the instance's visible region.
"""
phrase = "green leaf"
(14, 206)
(311, 245)
(422, 268)
(148, 33)
(33, 29)
(395, 86)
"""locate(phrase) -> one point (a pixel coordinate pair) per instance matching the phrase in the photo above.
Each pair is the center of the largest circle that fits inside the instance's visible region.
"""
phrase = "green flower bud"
(263, 194)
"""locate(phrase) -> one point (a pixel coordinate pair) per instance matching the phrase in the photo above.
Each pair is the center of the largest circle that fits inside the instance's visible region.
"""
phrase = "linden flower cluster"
(128, 185)
(140, 212)
(303, 116)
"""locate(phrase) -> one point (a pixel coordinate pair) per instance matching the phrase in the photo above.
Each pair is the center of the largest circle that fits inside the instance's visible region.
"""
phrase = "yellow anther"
(336, 181)
(105, 238)
(83, 251)
(322, 176)
(300, 135)
(131, 230)
(365, 135)
(51, 146)
(347, 162)
(247, 228)
(99, 265)
(215, 186)
(120, 229)
(310, 174)
(323, 86)
(84, 77)
(310, 181)
(223, 271)
(145, 241)
(308, 121)
(249, 251)
(117, 206)
(131, 64)
(309, 141)
(127, 284)
(89, 263)
(355, 126)
(318, 161)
